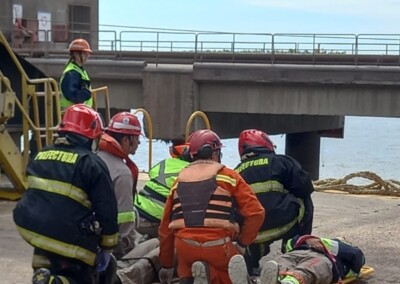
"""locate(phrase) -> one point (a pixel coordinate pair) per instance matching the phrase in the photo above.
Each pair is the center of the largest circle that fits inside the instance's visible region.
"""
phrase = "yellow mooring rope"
(378, 186)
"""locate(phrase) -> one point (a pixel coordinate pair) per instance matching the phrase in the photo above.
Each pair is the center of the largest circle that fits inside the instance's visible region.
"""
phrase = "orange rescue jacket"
(228, 181)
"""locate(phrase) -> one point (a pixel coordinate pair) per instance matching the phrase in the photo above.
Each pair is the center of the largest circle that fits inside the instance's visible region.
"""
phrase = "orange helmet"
(253, 138)
(203, 140)
(79, 44)
(82, 120)
(124, 123)
(178, 150)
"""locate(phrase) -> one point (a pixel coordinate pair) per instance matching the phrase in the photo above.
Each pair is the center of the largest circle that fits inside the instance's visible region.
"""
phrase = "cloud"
(369, 8)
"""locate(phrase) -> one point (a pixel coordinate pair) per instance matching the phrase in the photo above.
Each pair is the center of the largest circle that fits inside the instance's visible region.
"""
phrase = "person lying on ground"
(313, 260)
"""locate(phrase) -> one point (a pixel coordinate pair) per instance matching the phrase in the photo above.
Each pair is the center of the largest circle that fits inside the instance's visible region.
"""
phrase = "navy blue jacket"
(69, 188)
(261, 167)
(74, 88)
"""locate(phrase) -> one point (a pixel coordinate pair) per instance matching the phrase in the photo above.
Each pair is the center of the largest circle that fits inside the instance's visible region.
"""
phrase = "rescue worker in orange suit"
(283, 189)
(121, 140)
(198, 220)
(69, 212)
(75, 83)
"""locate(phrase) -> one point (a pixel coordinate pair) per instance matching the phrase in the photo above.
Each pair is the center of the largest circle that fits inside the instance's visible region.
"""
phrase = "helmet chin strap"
(78, 58)
(217, 154)
(81, 58)
(95, 145)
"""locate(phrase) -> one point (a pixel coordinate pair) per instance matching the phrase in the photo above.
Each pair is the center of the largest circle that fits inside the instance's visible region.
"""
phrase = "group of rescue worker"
(195, 219)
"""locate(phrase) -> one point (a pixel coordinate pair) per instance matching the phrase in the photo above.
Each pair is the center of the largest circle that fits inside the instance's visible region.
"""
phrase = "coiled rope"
(378, 186)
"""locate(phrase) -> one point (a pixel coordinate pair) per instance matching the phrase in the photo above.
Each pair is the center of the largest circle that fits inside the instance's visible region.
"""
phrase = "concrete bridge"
(303, 101)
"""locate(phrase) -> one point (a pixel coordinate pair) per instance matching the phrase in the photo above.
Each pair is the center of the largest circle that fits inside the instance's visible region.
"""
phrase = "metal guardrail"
(115, 43)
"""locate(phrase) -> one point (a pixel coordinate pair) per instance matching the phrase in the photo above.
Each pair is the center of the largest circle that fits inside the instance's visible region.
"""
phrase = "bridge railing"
(233, 42)
(387, 44)
(156, 41)
(117, 42)
(314, 43)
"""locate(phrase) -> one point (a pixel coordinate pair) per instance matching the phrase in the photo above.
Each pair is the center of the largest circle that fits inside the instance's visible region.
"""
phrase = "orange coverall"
(216, 256)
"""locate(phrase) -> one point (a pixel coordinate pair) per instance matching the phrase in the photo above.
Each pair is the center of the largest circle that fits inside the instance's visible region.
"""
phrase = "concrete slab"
(371, 222)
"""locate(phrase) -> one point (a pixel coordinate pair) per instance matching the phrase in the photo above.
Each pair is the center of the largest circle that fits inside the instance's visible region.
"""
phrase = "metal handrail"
(237, 43)
(51, 92)
(124, 34)
(95, 93)
(191, 119)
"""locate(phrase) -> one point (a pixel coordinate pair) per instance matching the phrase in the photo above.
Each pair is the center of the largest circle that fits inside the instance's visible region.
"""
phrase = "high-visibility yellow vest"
(64, 102)
(150, 201)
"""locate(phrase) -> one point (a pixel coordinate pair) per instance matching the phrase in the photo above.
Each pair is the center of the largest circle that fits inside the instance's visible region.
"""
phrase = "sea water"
(369, 144)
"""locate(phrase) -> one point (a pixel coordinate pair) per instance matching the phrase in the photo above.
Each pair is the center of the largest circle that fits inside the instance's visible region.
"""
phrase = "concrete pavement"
(371, 222)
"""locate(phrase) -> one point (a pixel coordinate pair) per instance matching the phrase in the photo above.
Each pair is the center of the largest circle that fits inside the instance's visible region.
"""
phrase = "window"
(79, 22)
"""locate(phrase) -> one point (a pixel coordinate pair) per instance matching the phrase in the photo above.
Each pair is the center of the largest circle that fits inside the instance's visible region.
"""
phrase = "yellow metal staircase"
(33, 113)
(10, 156)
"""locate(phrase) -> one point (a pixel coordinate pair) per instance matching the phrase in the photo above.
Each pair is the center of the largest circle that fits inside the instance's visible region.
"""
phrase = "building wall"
(5, 13)
(59, 11)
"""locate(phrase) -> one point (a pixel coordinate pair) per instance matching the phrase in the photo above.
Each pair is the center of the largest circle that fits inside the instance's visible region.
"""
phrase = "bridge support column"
(170, 96)
(305, 147)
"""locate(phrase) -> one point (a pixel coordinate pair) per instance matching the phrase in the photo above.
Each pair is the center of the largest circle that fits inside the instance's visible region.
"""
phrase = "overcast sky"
(257, 16)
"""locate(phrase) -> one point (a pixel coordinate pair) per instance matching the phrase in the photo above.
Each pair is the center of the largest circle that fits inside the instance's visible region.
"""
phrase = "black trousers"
(75, 271)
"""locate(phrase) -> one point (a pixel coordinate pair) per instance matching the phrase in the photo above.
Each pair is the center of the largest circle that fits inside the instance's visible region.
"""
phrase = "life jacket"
(150, 201)
(64, 102)
(199, 201)
(110, 145)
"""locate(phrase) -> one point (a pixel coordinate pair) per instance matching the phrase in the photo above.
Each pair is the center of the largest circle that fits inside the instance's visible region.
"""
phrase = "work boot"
(269, 272)
(41, 276)
(237, 270)
(200, 273)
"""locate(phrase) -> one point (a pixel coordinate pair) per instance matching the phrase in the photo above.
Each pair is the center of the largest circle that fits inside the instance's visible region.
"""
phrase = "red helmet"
(203, 138)
(124, 123)
(79, 44)
(252, 138)
(177, 150)
(83, 120)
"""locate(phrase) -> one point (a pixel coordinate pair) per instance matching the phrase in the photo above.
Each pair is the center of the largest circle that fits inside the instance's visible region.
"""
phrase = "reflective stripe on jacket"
(276, 233)
(69, 188)
(271, 178)
(150, 201)
(199, 201)
(64, 102)
(245, 202)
